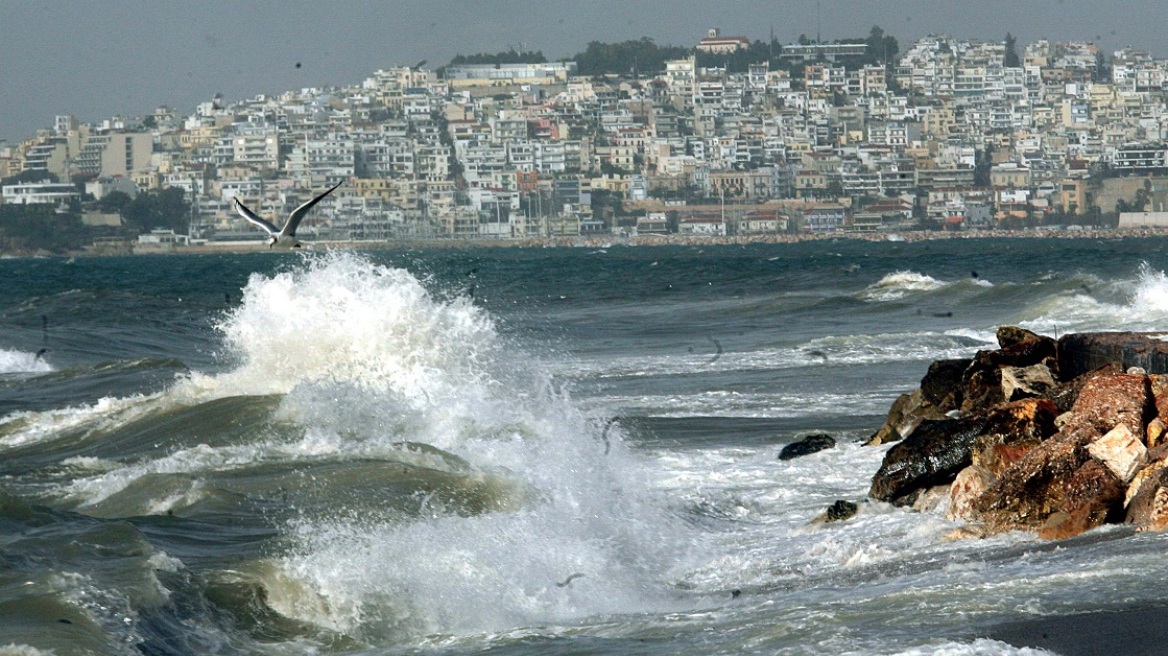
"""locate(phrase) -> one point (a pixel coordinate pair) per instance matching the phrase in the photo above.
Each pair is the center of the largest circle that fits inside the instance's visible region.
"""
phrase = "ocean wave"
(898, 285)
(1137, 304)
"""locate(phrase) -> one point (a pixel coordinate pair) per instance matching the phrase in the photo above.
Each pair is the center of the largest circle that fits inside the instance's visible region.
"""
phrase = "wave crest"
(899, 284)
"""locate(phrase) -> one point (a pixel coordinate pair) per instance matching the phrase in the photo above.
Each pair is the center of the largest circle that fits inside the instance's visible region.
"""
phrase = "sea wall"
(1044, 435)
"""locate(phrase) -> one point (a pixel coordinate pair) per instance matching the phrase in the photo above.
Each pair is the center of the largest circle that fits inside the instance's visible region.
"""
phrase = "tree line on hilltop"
(644, 57)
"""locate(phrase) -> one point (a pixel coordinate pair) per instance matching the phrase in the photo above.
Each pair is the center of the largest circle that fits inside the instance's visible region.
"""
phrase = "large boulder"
(937, 450)
(1079, 353)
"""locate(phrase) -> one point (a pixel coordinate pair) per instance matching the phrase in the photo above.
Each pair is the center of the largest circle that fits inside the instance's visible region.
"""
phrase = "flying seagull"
(286, 237)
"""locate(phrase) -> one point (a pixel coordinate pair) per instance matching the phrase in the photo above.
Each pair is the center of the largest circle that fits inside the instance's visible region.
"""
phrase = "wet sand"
(1130, 632)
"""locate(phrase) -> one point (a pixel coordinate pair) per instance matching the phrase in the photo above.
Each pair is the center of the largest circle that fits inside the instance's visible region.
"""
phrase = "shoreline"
(607, 241)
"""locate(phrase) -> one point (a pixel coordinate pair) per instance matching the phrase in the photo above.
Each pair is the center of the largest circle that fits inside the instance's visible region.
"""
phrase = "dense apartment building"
(947, 132)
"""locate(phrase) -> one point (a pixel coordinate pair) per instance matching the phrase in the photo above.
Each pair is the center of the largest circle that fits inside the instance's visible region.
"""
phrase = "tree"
(32, 228)
(114, 202)
(166, 209)
(641, 55)
(1011, 60)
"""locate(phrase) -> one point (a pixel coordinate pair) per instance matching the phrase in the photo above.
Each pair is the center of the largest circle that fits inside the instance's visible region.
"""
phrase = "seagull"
(285, 238)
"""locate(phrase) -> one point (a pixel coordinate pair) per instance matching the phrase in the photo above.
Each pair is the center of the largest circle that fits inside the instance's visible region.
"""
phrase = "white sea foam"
(13, 362)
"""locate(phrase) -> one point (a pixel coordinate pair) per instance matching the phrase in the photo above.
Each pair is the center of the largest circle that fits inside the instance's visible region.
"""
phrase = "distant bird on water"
(286, 237)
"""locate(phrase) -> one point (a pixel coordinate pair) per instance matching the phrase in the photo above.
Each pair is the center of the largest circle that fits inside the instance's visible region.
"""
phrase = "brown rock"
(1004, 443)
(1155, 432)
(1110, 400)
(1148, 509)
(1092, 497)
(1029, 492)
(1066, 392)
(1158, 459)
(1079, 353)
(981, 388)
(1159, 386)
(1026, 382)
(1019, 348)
(1011, 335)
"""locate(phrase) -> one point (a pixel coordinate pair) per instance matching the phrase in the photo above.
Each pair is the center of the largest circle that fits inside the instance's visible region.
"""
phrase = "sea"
(524, 451)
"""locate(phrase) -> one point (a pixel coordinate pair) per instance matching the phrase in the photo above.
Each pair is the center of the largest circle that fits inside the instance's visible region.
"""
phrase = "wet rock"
(981, 388)
(1092, 497)
(1020, 426)
(937, 450)
(1079, 353)
(931, 455)
(1121, 451)
(840, 511)
(806, 446)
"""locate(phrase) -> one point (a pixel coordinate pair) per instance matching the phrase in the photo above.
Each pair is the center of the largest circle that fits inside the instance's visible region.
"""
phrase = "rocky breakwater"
(1044, 435)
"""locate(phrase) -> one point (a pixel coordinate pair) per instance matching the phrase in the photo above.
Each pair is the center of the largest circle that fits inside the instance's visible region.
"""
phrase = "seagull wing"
(298, 213)
(254, 218)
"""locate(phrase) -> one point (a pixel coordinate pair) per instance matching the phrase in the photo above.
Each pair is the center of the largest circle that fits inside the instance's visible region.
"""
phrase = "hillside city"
(808, 138)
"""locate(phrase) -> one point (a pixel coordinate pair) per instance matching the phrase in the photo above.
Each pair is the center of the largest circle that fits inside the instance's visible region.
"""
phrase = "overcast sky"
(98, 59)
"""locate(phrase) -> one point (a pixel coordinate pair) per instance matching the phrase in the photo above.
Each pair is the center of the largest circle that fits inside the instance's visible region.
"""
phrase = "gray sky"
(98, 59)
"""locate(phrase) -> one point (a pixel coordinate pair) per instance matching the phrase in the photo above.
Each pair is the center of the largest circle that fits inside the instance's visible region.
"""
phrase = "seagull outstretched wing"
(298, 213)
(255, 219)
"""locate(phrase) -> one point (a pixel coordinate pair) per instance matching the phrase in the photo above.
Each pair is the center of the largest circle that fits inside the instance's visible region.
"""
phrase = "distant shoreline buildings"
(946, 135)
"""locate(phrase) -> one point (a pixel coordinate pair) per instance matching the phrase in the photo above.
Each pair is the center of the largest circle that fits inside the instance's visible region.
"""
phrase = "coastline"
(607, 241)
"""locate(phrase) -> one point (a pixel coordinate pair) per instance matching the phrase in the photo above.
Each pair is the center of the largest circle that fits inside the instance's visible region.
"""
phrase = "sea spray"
(369, 361)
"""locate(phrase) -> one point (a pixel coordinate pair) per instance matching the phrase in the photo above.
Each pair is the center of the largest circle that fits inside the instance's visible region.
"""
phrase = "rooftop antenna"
(818, 26)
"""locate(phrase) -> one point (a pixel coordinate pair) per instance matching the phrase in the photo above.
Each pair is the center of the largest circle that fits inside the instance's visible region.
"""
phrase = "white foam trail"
(13, 362)
(980, 647)
(824, 351)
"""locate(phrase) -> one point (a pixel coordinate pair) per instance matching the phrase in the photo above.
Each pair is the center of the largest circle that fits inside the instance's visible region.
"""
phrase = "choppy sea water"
(521, 451)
